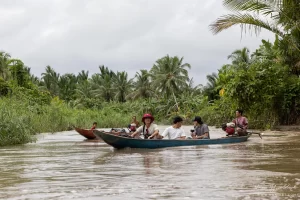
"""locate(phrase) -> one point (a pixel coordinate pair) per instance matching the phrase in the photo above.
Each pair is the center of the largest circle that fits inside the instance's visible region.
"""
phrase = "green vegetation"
(264, 83)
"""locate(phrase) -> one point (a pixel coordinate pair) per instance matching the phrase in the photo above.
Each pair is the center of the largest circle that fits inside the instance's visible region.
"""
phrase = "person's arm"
(153, 134)
(139, 130)
(193, 134)
(234, 121)
(165, 133)
(206, 132)
(202, 136)
(156, 131)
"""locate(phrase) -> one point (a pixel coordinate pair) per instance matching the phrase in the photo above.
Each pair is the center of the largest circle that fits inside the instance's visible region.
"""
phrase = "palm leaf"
(262, 6)
(245, 21)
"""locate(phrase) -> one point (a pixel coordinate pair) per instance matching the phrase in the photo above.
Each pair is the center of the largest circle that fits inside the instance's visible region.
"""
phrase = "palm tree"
(105, 70)
(284, 18)
(169, 74)
(211, 89)
(67, 85)
(50, 79)
(84, 90)
(122, 85)
(83, 76)
(240, 56)
(19, 73)
(191, 90)
(142, 86)
(102, 83)
(103, 86)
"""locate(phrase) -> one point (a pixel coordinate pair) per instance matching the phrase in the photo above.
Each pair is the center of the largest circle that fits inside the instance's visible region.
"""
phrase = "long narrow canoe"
(123, 142)
(86, 133)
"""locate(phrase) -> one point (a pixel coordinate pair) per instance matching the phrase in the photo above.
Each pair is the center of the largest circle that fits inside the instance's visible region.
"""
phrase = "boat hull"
(86, 133)
(123, 142)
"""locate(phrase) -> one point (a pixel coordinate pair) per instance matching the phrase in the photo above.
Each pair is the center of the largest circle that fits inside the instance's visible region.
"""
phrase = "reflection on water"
(65, 166)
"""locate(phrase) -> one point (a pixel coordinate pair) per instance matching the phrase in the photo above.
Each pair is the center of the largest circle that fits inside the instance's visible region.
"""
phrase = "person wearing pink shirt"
(241, 123)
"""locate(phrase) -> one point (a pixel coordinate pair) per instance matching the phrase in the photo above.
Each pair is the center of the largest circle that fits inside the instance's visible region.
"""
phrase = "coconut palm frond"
(245, 21)
(263, 7)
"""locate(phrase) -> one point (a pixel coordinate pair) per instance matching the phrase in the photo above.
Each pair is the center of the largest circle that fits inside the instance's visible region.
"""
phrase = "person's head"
(238, 112)
(95, 124)
(147, 118)
(134, 118)
(197, 121)
(177, 121)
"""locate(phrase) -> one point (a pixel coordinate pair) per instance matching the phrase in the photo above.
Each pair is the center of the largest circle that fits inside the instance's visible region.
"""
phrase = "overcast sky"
(123, 35)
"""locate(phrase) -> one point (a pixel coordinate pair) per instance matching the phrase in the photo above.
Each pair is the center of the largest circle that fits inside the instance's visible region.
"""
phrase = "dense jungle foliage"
(264, 83)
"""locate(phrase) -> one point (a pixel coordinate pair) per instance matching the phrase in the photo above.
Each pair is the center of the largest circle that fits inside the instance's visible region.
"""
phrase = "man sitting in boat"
(94, 126)
(175, 131)
(134, 124)
(148, 130)
(241, 123)
(201, 129)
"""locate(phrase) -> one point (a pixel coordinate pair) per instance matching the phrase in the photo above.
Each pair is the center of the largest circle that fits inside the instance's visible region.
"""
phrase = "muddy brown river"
(66, 166)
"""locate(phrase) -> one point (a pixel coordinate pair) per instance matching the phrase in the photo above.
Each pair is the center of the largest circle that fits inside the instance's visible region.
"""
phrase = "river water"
(66, 166)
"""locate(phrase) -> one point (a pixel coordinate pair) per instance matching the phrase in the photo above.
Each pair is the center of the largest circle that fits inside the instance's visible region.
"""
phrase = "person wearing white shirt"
(175, 131)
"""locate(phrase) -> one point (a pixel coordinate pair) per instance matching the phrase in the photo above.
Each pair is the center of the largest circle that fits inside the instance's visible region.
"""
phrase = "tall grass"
(15, 127)
(20, 120)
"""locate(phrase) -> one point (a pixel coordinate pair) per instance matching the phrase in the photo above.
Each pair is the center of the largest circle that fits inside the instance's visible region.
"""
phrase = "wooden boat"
(86, 133)
(123, 142)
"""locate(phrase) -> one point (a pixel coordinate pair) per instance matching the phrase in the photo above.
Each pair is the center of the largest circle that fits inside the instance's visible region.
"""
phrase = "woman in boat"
(148, 130)
(175, 131)
(134, 124)
(94, 126)
(241, 123)
(201, 129)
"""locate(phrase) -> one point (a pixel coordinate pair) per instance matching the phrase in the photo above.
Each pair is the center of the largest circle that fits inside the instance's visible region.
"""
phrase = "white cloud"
(121, 34)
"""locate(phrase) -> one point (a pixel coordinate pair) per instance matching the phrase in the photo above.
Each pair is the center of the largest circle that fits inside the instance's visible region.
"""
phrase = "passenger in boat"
(201, 129)
(94, 126)
(148, 130)
(228, 128)
(175, 131)
(241, 123)
(119, 131)
(134, 124)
